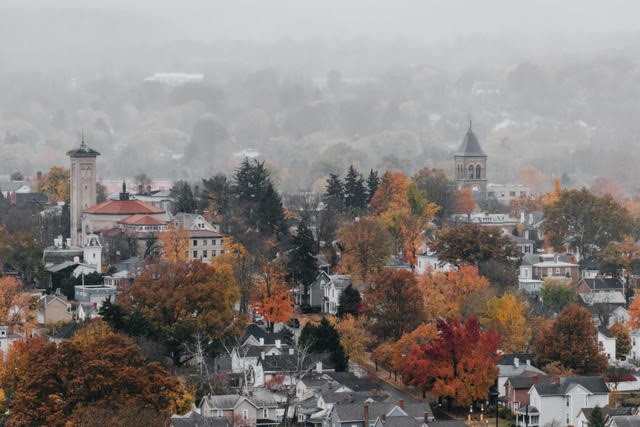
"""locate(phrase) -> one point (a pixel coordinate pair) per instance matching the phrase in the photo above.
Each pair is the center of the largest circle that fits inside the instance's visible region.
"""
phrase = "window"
(512, 193)
(195, 242)
(557, 270)
(195, 254)
(220, 413)
(550, 271)
(470, 171)
(490, 193)
(204, 254)
(265, 413)
(567, 270)
(478, 172)
(245, 414)
(213, 253)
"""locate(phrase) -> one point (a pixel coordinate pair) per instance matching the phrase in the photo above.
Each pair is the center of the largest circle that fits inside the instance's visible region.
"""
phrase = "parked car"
(293, 323)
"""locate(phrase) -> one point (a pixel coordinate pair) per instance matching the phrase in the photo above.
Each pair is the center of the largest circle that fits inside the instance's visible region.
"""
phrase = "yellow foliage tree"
(237, 260)
(554, 195)
(16, 309)
(505, 315)
(56, 184)
(176, 243)
(446, 293)
(354, 336)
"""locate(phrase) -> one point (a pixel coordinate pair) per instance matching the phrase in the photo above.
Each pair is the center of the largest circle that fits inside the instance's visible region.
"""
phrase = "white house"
(607, 344)
(332, 291)
(634, 354)
(513, 365)
(561, 401)
(428, 260)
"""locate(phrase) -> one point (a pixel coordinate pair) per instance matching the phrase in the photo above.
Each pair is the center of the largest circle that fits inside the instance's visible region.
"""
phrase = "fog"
(314, 86)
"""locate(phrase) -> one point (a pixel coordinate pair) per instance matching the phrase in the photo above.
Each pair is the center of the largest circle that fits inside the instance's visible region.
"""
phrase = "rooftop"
(124, 207)
(470, 146)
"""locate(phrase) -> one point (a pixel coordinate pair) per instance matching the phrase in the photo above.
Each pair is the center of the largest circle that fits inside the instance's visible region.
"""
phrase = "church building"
(471, 165)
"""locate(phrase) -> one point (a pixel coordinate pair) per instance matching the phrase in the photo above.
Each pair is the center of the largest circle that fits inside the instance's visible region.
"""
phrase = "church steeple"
(471, 164)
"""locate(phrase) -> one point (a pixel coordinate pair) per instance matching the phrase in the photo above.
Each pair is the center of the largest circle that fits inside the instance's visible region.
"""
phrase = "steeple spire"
(123, 194)
(82, 144)
(469, 124)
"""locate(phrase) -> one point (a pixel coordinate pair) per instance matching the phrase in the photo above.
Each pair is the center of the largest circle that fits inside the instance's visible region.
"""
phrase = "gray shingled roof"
(194, 419)
(470, 146)
(402, 421)
(509, 358)
(601, 284)
(257, 332)
(626, 421)
(594, 384)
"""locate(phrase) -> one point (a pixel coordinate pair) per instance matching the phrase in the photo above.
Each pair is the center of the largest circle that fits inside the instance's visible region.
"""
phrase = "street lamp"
(493, 397)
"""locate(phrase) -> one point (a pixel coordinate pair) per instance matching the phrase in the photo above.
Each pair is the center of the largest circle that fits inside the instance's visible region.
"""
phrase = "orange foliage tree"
(444, 294)
(464, 201)
(459, 364)
(176, 243)
(273, 298)
(178, 301)
(366, 247)
(420, 335)
(634, 315)
(47, 383)
(16, 308)
(392, 191)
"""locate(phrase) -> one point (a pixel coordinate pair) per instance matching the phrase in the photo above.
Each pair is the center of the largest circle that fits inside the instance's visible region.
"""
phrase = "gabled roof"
(204, 233)
(591, 263)
(65, 332)
(194, 419)
(257, 332)
(604, 297)
(230, 401)
(470, 146)
(594, 384)
(122, 207)
(509, 358)
(625, 421)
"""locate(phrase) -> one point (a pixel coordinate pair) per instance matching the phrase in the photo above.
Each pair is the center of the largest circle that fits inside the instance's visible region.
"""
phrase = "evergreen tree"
(349, 301)
(303, 265)
(270, 213)
(596, 419)
(373, 182)
(323, 338)
(334, 195)
(185, 201)
(355, 194)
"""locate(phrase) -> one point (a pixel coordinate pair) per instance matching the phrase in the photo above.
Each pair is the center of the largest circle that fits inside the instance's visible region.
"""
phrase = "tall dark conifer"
(355, 194)
(373, 182)
(303, 265)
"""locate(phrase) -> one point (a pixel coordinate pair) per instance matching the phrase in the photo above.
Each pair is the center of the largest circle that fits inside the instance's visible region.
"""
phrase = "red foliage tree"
(457, 365)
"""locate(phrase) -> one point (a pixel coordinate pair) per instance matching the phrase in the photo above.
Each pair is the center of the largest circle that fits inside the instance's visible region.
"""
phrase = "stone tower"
(471, 165)
(83, 187)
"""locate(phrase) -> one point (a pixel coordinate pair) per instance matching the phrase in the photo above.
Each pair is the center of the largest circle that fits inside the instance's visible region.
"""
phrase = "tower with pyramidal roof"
(83, 187)
(471, 165)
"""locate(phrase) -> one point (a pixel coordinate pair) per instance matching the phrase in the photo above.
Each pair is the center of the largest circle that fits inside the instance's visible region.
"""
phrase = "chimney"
(528, 362)
(374, 393)
(140, 187)
(516, 362)
(148, 190)
(384, 418)
(557, 380)
(351, 398)
(262, 355)
(534, 379)
(366, 415)
(95, 306)
(261, 341)
(401, 404)
(250, 393)
(555, 258)
(277, 343)
(426, 417)
(291, 350)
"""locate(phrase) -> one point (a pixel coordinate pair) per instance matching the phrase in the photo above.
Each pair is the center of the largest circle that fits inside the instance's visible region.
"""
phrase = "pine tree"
(334, 195)
(355, 194)
(349, 301)
(373, 182)
(596, 419)
(303, 265)
(323, 338)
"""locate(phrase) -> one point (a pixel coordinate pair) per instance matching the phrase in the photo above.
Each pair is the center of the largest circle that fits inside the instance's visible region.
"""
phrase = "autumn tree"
(175, 243)
(24, 254)
(366, 247)
(623, 340)
(349, 302)
(423, 334)
(439, 190)
(16, 306)
(176, 301)
(49, 384)
(354, 336)
(619, 259)
(56, 183)
(459, 364)
(392, 191)
(393, 302)
(273, 297)
(634, 315)
(324, 338)
(383, 356)
(444, 293)
(571, 341)
(505, 315)
(592, 222)
(465, 202)
(239, 261)
(557, 293)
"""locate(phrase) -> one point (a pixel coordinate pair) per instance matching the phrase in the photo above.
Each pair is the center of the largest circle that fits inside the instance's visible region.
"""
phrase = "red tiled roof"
(119, 207)
(204, 233)
(141, 219)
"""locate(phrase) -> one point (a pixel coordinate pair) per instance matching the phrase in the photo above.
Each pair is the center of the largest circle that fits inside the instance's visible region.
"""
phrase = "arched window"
(478, 172)
(470, 171)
